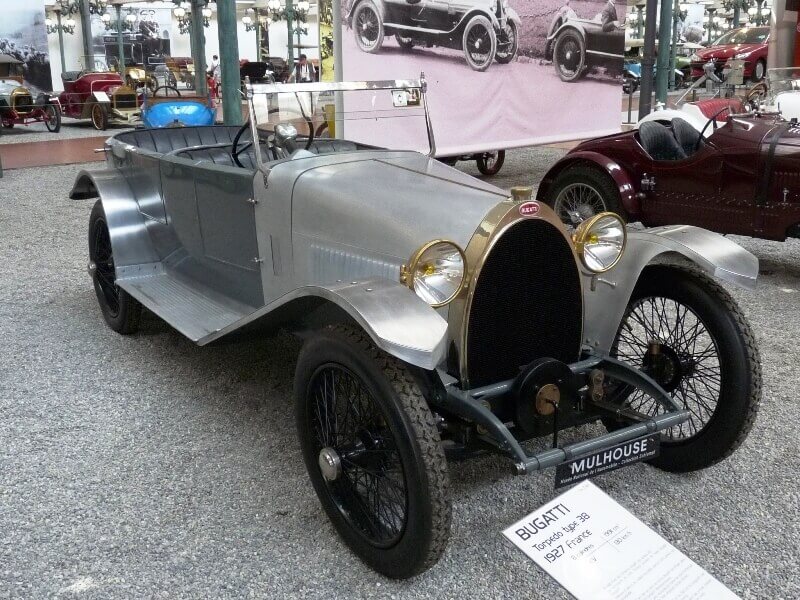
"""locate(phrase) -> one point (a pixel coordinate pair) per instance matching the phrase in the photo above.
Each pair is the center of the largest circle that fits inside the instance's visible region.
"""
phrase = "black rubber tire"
(405, 409)
(740, 395)
(8, 125)
(755, 77)
(506, 57)
(125, 320)
(55, 125)
(589, 175)
(494, 168)
(405, 43)
(479, 21)
(99, 115)
(375, 46)
(564, 37)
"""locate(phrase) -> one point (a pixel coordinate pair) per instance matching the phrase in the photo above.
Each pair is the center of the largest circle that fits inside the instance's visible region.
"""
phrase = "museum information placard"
(598, 550)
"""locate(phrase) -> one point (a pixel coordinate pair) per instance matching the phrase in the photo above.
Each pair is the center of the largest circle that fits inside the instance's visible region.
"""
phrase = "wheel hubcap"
(578, 202)
(330, 464)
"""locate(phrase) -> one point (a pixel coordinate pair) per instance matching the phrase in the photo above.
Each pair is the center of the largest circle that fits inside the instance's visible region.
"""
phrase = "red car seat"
(712, 106)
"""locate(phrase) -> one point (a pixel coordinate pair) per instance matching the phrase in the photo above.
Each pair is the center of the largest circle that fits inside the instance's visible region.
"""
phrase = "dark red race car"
(708, 164)
(747, 43)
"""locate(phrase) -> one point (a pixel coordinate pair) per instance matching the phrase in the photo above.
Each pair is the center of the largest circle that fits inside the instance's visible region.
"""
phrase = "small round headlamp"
(600, 241)
(435, 272)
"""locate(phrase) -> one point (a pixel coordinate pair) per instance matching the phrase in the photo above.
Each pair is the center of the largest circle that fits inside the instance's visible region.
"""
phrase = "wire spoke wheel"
(479, 43)
(369, 487)
(667, 340)
(577, 202)
(368, 27)
(52, 118)
(102, 258)
(569, 56)
(507, 43)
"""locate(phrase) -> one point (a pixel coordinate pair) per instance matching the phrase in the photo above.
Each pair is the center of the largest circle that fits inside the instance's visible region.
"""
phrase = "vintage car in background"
(102, 97)
(18, 107)
(135, 75)
(706, 164)
(484, 31)
(438, 312)
(167, 108)
(488, 163)
(779, 93)
(632, 68)
(182, 70)
(747, 43)
(17, 103)
(258, 72)
(576, 46)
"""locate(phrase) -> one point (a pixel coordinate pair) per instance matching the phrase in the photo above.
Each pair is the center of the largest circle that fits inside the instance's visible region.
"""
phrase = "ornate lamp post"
(256, 20)
(758, 13)
(183, 13)
(639, 18)
(291, 13)
(61, 26)
(710, 20)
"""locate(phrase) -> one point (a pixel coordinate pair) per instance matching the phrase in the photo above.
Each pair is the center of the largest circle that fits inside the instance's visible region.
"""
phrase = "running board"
(194, 310)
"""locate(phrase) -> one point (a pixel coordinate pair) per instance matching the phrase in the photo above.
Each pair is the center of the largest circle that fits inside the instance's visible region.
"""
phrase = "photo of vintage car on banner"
(493, 66)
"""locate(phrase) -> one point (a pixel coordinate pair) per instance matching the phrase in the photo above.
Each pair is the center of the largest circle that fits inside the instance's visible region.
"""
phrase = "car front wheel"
(372, 452)
(480, 43)
(686, 332)
(99, 116)
(406, 43)
(490, 163)
(368, 27)
(52, 118)
(569, 55)
(580, 192)
(121, 311)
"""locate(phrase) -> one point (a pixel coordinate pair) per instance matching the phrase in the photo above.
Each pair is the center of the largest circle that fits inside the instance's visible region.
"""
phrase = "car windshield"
(96, 63)
(6, 87)
(783, 80)
(386, 114)
(747, 35)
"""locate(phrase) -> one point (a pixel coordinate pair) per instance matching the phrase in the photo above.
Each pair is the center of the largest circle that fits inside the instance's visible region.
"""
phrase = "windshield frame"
(340, 86)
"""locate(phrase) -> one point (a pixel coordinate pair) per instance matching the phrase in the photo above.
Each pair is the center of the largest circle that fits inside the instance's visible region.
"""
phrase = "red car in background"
(747, 43)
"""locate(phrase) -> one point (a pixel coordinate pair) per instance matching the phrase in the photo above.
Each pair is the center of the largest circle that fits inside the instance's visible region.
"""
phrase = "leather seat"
(686, 135)
(658, 141)
(70, 75)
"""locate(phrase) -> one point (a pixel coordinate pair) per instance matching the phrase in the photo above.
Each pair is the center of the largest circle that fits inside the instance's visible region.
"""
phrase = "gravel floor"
(70, 128)
(146, 467)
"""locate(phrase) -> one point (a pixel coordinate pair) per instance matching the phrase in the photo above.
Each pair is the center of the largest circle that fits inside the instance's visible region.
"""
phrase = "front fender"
(126, 225)
(396, 319)
(607, 295)
(623, 181)
(513, 16)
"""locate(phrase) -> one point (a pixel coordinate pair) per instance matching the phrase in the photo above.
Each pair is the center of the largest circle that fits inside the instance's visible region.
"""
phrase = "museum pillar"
(229, 62)
(664, 43)
(783, 24)
(197, 38)
(120, 42)
(648, 60)
(86, 28)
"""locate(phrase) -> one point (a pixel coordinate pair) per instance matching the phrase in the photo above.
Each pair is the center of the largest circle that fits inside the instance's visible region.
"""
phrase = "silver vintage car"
(440, 314)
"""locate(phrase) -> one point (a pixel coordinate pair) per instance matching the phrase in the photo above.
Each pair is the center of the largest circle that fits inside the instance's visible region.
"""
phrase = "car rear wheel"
(490, 163)
(508, 43)
(99, 116)
(120, 310)
(372, 451)
(686, 332)
(580, 192)
(480, 43)
(569, 55)
(52, 118)
(8, 125)
(368, 27)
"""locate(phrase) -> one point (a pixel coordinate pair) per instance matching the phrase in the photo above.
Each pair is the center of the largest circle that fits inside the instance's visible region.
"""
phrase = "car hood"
(726, 52)
(388, 203)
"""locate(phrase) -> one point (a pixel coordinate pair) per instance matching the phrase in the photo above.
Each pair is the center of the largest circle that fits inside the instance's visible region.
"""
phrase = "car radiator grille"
(527, 304)
(23, 103)
(125, 101)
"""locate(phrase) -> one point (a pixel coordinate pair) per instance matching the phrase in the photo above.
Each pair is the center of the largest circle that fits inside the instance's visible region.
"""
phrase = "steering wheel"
(168, 88)
(235, 150)
(713, 120)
